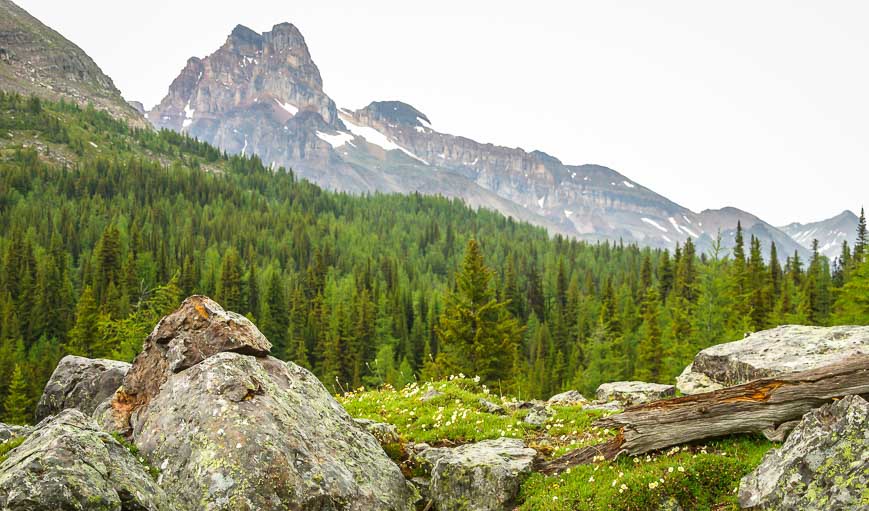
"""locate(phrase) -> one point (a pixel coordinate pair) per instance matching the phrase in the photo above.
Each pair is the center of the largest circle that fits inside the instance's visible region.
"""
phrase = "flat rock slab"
(773, 352)
(484, 476)
(823, 465)
(633, 392)
(67, 463)
(81, 383)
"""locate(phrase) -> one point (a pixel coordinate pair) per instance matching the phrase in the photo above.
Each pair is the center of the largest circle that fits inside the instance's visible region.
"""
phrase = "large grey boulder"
(633, 392)
(484, 476)
(81, 383)
(232, 428)
(69, 464)
(772, 352)
(823, 465)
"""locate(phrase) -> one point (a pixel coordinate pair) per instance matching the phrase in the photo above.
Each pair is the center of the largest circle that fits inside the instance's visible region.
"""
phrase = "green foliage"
(17, 404)
(694, 477)
(7, 446)
(104, 228)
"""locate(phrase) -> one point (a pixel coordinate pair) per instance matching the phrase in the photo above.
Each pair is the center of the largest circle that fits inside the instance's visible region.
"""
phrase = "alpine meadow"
(237, 293)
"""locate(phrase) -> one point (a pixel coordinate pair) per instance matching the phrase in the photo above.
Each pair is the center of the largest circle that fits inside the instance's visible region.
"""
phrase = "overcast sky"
(762, 105)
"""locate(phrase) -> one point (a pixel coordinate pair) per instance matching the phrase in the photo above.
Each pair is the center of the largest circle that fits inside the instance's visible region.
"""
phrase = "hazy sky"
(762, 105)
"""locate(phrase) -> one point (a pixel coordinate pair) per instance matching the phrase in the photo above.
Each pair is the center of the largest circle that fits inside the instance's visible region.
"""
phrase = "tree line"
(105, 228)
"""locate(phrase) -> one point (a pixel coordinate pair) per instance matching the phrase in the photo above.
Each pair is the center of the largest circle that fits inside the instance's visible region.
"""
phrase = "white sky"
(762, 105)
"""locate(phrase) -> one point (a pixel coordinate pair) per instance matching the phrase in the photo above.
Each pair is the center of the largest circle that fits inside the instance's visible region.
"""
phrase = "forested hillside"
(104, 228)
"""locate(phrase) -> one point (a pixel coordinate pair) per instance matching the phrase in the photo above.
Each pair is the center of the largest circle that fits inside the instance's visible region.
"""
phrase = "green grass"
(698, 477)
(456, 416)
(8, 445)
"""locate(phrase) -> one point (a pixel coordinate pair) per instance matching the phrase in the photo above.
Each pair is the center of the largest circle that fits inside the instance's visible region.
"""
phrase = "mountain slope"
(830, 233)
(34, 59)
(263, 93)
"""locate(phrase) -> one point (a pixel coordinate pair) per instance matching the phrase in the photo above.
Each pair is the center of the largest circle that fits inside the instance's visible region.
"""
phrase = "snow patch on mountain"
(655, 225)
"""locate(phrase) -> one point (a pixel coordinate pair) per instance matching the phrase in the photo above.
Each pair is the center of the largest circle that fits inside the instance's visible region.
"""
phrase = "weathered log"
(759, 405)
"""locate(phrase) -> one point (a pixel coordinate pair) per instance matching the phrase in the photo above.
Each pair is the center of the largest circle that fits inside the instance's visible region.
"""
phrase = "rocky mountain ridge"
(263, 93)
(830, 233)
(34, 59)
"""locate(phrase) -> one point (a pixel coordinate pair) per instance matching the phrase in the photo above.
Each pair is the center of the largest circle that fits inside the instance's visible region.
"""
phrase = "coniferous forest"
(106, 228)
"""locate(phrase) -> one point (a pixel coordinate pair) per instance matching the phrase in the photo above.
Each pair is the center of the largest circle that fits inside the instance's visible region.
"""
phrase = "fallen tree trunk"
(756, 406)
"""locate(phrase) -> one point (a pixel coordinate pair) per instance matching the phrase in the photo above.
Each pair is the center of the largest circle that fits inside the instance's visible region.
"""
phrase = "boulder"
(537, 416)
(198, 329)
(822, 465)
(232, 428)
(633, 392)
(691, 382)
(608, 406)
(384, 433)
(490, 407)
(430, 394)
(80, 383)
(569, 398)
(67, 463)
(772, 352)
(484, 476)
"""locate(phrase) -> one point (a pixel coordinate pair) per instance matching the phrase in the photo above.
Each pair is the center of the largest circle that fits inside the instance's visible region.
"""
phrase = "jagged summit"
(263, 94)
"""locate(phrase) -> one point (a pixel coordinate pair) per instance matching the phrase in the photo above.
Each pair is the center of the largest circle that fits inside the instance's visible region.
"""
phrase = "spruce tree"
(16, 406)
(861, 245)
(84, 337)
(476, 333)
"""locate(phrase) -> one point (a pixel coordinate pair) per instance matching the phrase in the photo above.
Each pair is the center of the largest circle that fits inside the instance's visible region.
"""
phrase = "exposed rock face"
(199, 329)
(634, 392)
(691, 382)
(490, 407)
(81, 383)
(34, 59)
(67, 463)
(569, 398)
(822, 465)
(537, 415)
(484, 476)
(232, 428)
(384, 433)
(772, 352)
(830, 233)
(263, 94)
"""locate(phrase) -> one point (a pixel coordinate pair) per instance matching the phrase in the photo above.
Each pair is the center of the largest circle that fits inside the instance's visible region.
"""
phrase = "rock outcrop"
(263, 94)
(34, 59)
(10, 431)
(484, 476)
(772, 352)
(232, 428)
(569, 398)
(822, 466)
(68, 463)
(80, 383)
(633, 392)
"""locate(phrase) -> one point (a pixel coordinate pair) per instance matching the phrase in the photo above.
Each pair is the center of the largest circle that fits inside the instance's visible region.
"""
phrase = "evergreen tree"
(649, 349)
(16, 406)
(85, 335)
(476, 333)
(861, 245)
(231, 282)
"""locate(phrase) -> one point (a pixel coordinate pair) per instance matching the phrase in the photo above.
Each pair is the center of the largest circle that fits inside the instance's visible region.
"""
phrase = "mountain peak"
(397, 112)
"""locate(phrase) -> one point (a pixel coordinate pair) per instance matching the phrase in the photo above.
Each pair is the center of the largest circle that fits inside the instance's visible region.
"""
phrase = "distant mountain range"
(830, 233)
(263, 94)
